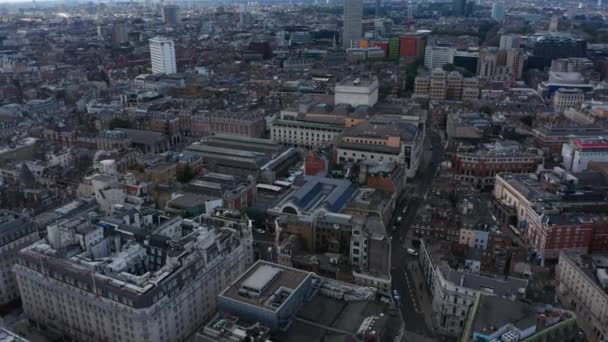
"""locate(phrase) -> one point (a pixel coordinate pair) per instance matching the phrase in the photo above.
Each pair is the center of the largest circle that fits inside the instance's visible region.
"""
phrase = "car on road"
(260, 231)
(394, 227)
(396, 296)
(399, 219)
(411, 251)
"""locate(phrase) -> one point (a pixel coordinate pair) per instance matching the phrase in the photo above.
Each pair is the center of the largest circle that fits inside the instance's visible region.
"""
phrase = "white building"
(301, 133)
(510, 41)
(383, 140)
(567, 98)
(474, 237)
(438, 56)
(579, 152)
(16, 232)
(162, 55)
(583, 287)
(93, 281)
(352, 30)
(357, 91)
(454, 292)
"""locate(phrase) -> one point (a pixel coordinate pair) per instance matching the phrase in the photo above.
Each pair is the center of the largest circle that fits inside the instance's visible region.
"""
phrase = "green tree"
(120, 123)
(449, 67)
(486, 109)
(257, 216)
(410, 75)
(185, 174)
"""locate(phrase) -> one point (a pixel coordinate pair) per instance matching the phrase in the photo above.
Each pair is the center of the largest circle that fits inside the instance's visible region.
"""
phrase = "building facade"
(549, 234)
(16, 232)
(352, 30)
(454, 292)
(162, 56)
(480, 167)
(92, 281)
(567, 98)
(579, 152)
(438, 56)
(583, 287)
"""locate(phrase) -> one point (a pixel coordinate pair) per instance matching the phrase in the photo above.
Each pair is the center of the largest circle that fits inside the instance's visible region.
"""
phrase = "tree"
(185, 174)
(449, 67)
(486, 109)
(257, 216)
(120, 123)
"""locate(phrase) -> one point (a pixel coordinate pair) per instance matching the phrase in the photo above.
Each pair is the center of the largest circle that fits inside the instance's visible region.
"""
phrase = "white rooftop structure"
(261, 278)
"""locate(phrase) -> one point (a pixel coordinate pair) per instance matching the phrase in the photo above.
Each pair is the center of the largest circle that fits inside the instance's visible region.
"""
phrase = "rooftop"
(263, 282)
(500, 286)
(360, 81)
(316, 193)
(495, 312)
(142, 137)
(14, 226)
(590, 265)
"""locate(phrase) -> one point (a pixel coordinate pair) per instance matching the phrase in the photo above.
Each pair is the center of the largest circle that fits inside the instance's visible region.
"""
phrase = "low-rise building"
(357, 91)
(567, 98)
(479, 166)
(203, 123)
(583, 287)
(453, 292)
(16, 232)
(551, 138)
(497, 319)
(579, 152)
(515, 194)
(551, 233)
(304, 133)
(475, 237)
(296, 305)
(382, 140)
(370, 255)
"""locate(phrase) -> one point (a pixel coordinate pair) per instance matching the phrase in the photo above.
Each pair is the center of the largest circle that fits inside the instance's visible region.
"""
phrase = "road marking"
(412, 294)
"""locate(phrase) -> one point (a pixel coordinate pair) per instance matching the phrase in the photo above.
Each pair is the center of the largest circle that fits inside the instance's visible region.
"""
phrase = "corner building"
(128, 278)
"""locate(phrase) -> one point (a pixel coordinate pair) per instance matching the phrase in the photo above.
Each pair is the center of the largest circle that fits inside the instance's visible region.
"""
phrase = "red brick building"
(599, 242)
(412, 45)
(551, 233)
(313, 164)
(480, 167)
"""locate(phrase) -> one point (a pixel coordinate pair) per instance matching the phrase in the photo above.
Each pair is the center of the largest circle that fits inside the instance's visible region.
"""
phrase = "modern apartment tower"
(352, 31)
(171, 15)
(162, 56)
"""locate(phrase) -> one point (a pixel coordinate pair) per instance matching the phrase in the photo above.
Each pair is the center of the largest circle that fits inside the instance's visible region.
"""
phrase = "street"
(403, 278)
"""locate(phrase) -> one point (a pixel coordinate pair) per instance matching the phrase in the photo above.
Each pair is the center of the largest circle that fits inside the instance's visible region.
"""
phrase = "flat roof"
(142, 137)
(269, 187)
(273, 276)
(361, 81)
(261, 277)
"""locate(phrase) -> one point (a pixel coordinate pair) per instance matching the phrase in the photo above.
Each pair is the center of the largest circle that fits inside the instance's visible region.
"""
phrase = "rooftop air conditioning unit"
(509, 337)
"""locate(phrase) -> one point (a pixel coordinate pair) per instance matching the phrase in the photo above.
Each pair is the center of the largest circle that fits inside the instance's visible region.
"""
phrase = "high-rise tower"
(162, 55)
(353, 15)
